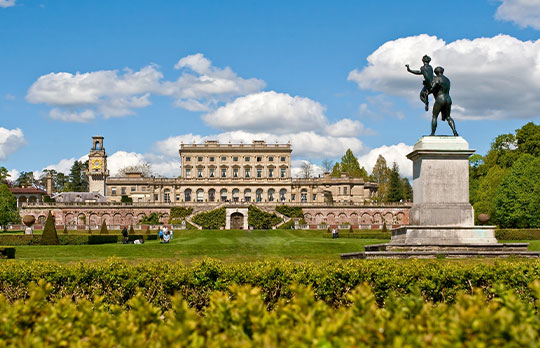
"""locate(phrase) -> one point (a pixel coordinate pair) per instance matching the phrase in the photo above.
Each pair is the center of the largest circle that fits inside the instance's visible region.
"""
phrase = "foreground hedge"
(7, 252)
(64, 239)
(516, 234)
(240, 318)
(117, 281)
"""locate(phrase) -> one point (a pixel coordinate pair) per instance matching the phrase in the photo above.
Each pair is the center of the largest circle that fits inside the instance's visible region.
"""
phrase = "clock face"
(96, 164)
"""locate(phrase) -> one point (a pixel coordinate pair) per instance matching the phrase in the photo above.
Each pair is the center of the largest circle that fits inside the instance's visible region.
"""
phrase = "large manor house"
(215, 175)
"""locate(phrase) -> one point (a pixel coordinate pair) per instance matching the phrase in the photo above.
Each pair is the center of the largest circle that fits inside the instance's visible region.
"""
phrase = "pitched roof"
(26, 190)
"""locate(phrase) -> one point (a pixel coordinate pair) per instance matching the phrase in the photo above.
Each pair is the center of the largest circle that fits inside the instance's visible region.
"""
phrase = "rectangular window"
(212, 172)
(247, 173)
(123, 190)
(113, 191)
(223, 172)
(156, 197)
(345, 190)
(259, 159)
(188, 172)
(271, 173)
(199, 172)
(271, 158)
(199, 159)
(223, 158)
(247, 158)
(188, 159)
(259, 172)
(178, 197)
(235, 159)
(283, 172)
(235, 172)
(133, 188)
(283, 159)
(212, 159)
(314, 197)
(293, 197)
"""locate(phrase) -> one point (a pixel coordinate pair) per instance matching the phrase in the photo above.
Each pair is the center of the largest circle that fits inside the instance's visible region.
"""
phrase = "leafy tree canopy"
(9, 214)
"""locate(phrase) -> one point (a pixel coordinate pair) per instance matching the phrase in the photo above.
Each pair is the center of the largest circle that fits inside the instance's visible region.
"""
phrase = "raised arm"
(416, 72)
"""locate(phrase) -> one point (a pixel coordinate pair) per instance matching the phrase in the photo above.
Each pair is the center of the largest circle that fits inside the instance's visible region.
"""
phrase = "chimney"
(49, 184)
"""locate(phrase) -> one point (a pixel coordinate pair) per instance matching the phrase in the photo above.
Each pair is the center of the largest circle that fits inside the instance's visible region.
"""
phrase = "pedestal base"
(444, 235)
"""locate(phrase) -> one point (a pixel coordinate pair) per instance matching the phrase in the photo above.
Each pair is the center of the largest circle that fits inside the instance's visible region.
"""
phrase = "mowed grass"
(227, 246)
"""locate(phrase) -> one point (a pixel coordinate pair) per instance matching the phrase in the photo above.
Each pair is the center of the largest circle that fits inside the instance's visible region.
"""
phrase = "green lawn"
(228, 246)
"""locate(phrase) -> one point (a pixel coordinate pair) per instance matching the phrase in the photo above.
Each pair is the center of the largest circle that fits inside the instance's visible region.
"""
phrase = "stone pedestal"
(442, 219)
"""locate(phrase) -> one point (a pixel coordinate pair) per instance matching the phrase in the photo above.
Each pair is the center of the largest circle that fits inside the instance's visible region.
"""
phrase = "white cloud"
(494, 77)
(107, 92)
(13, 174)
(347, 128)
(10, 141)
(63, 166)
(296, 169)
(7, 3)
(524, 13)
(202, 86)
(269, 111)
(304, 144)
(393, 153)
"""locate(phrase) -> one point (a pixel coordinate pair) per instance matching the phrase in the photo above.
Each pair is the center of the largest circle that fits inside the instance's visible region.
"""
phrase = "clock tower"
(97, 167)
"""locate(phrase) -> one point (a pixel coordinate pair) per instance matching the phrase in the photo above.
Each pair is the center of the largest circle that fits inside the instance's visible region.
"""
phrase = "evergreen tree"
(4, 175)
(349, 165)
(407, 190)
(49, 236)
(395, 189)
(103, 228)
(381, 175)
(336, 171)
(9, 214)
(78, 178)
(25, 179)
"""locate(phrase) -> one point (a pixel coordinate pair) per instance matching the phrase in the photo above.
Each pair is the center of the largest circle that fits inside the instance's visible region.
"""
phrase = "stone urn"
(483, 219)
(28, 221)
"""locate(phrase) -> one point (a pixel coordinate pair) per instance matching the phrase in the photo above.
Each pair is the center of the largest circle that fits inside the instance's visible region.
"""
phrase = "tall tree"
(487, 189)
(25, 179)
(77, 177)
(395, 188)
(306, 170)
(407, 190)
(327, 165)
(349, 165)
(9, 213)
(528, 139)
(4, 175)
(381, 175)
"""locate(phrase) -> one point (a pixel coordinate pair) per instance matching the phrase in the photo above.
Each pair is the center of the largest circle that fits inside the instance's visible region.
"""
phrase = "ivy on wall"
(292, 212)
(211, 220)
(260, 219)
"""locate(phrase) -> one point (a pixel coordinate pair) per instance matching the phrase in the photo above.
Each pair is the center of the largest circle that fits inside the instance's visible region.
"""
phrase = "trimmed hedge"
(361, 235)
(238, 317)
(49, 236)
(7, 252)
(71, 239)
(517, 234)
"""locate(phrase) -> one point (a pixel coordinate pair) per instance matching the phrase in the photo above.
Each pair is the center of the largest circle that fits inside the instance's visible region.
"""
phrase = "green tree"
(516, 200)
(9, 214)
(336, 171)
(381, 175)
(528, 139)
(349, 165)
(103, 229)
(78, 178)
(502, 151)
(25, 179)
(4, 175)
(487, 189)
(49, 236)
(395, 188)
(407, 189)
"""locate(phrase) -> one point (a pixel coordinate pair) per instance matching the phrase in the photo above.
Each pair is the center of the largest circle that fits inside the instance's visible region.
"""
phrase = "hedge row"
(515, 234)
(361, 235)
(69, 239)
(7, 252)
(118, 281)
(239, 318)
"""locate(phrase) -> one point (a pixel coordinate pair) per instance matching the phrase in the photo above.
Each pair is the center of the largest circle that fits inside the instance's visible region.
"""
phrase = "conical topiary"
(49, 236)
(103, 228)
(131, 230)
(65, 229)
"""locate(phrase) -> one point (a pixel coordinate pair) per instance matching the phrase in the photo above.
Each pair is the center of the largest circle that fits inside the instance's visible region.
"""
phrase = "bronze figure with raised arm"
(440, 87)
(427, 71)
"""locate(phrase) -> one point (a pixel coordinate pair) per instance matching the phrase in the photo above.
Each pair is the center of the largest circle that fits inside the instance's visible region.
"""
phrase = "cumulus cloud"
(64, 165)
(74, 97)
(392, 153)
(296, 169)
(7, 3)
(304, 144)
(347, 128)
(10, 141)
(493, 77)
(265, 111)
(524, 13)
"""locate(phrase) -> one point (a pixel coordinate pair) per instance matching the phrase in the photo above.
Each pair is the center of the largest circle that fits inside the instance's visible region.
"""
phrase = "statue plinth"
(442, 219)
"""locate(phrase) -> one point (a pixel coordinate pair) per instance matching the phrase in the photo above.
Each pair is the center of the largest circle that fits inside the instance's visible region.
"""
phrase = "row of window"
(236, 158)
(236, 173)
(123, 190)
(271, 196)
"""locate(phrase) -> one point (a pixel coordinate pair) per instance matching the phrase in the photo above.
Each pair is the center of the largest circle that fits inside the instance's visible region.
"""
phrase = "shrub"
(126, 199)
(180, 213)
(287, 225)
(65, 229)
(384, 228)
(131, 230)
(292, 212)
(7, 252)
(211, 220)
(152, 219)
(49, 236)
(260, 219)
(516, 234)
(104, 228)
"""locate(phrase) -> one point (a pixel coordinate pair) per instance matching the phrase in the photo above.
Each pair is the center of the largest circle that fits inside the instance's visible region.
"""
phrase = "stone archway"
(237, 221)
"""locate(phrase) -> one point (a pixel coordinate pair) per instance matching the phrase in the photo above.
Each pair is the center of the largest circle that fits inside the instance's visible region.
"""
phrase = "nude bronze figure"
(427, 71)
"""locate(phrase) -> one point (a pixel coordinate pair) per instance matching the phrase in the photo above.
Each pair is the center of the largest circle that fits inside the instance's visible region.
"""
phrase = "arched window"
(282, 194)
(187, 195)
(258, 195)
(271, 194)
(167, 196)
(211, 195)
(223, 195)
(303, 195)
(236, 195)
(247, 195)
(200, 195)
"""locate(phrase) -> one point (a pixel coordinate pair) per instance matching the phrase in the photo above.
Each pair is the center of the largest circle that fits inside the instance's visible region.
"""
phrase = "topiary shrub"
(65, 229)
(131, 230)
(384, 228)
(49, 236)
(350, 229)
(103, 228)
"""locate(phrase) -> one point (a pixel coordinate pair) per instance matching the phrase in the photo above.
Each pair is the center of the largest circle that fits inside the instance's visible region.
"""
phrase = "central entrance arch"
(237, 221)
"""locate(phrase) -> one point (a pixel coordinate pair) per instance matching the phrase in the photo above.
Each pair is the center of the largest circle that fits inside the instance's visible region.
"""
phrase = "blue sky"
(326, 75)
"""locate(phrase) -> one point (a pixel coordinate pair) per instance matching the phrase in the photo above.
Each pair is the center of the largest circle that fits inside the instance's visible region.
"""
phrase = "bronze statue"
(427, 71)
(440, 87)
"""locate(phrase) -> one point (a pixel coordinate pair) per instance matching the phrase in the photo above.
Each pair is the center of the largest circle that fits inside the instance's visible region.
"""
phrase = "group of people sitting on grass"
(125, 238)
(165, 234)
